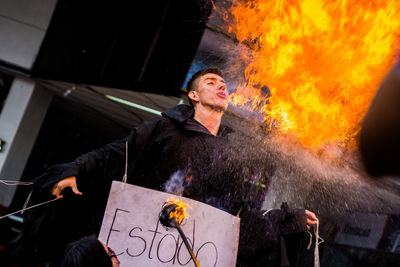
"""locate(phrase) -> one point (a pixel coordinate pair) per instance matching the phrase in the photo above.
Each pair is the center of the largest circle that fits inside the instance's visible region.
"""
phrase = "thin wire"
(126, 163)
(11, 182)
(27, 201)
(265, 213)
(34, 206)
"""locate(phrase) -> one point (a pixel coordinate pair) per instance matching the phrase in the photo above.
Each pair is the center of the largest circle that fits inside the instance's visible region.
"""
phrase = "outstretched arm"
(99, 166)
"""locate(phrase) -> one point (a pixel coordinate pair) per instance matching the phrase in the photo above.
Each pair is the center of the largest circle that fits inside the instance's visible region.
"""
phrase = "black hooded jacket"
(210, 168)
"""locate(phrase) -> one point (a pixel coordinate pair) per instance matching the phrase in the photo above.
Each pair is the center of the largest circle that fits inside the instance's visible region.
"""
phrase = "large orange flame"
(322, 61)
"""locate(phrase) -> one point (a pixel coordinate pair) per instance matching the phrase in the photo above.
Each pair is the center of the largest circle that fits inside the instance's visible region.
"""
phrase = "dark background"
(139, 45)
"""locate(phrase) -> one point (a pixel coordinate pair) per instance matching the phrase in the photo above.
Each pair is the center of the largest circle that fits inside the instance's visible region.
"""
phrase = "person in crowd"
(87, 252)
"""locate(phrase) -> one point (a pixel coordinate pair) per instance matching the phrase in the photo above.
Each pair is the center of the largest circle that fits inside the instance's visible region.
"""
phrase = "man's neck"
(209, 118)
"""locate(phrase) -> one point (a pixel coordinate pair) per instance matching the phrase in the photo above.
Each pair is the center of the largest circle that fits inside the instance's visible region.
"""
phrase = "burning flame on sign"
(180, 210)
(321, 61)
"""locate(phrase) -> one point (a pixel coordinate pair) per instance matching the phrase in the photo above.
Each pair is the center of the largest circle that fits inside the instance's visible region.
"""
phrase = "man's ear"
(193, 96)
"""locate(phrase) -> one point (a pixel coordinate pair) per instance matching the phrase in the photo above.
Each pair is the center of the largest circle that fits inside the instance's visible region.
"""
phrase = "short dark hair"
(198, 74)
(87, 251)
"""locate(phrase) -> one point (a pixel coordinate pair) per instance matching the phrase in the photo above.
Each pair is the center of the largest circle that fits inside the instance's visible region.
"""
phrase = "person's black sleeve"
(101, 165)
(103, 162)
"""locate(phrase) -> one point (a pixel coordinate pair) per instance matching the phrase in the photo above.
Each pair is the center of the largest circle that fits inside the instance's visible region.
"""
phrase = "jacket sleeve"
(102, 165)
(95, 162)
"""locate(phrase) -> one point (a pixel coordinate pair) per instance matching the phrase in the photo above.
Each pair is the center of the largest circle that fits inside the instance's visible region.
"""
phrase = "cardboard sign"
(132, 229)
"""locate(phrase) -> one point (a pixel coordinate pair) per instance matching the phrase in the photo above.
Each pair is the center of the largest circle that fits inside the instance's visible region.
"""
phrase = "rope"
(318, 241)
(24, 208)
(31, 207)
(310, 242)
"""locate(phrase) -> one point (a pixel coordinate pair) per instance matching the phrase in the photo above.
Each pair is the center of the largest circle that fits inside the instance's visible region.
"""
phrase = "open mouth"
(222, 95)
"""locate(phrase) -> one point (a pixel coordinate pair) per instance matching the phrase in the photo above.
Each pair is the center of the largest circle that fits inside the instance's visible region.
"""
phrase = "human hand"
(311, 219)
(114, 259)
(64, 183)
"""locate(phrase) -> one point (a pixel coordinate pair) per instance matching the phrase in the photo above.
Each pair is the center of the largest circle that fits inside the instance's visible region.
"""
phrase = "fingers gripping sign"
(65, 183)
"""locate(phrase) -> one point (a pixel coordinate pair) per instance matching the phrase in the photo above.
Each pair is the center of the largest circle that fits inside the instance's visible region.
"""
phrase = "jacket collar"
(183, 114)
(179, 113)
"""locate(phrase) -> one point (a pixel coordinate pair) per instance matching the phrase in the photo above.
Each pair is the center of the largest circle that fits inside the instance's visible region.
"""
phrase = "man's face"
(211, 92)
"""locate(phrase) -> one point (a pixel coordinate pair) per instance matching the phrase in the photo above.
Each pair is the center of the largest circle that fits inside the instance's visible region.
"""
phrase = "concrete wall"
(20, 121)
(23, 25)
